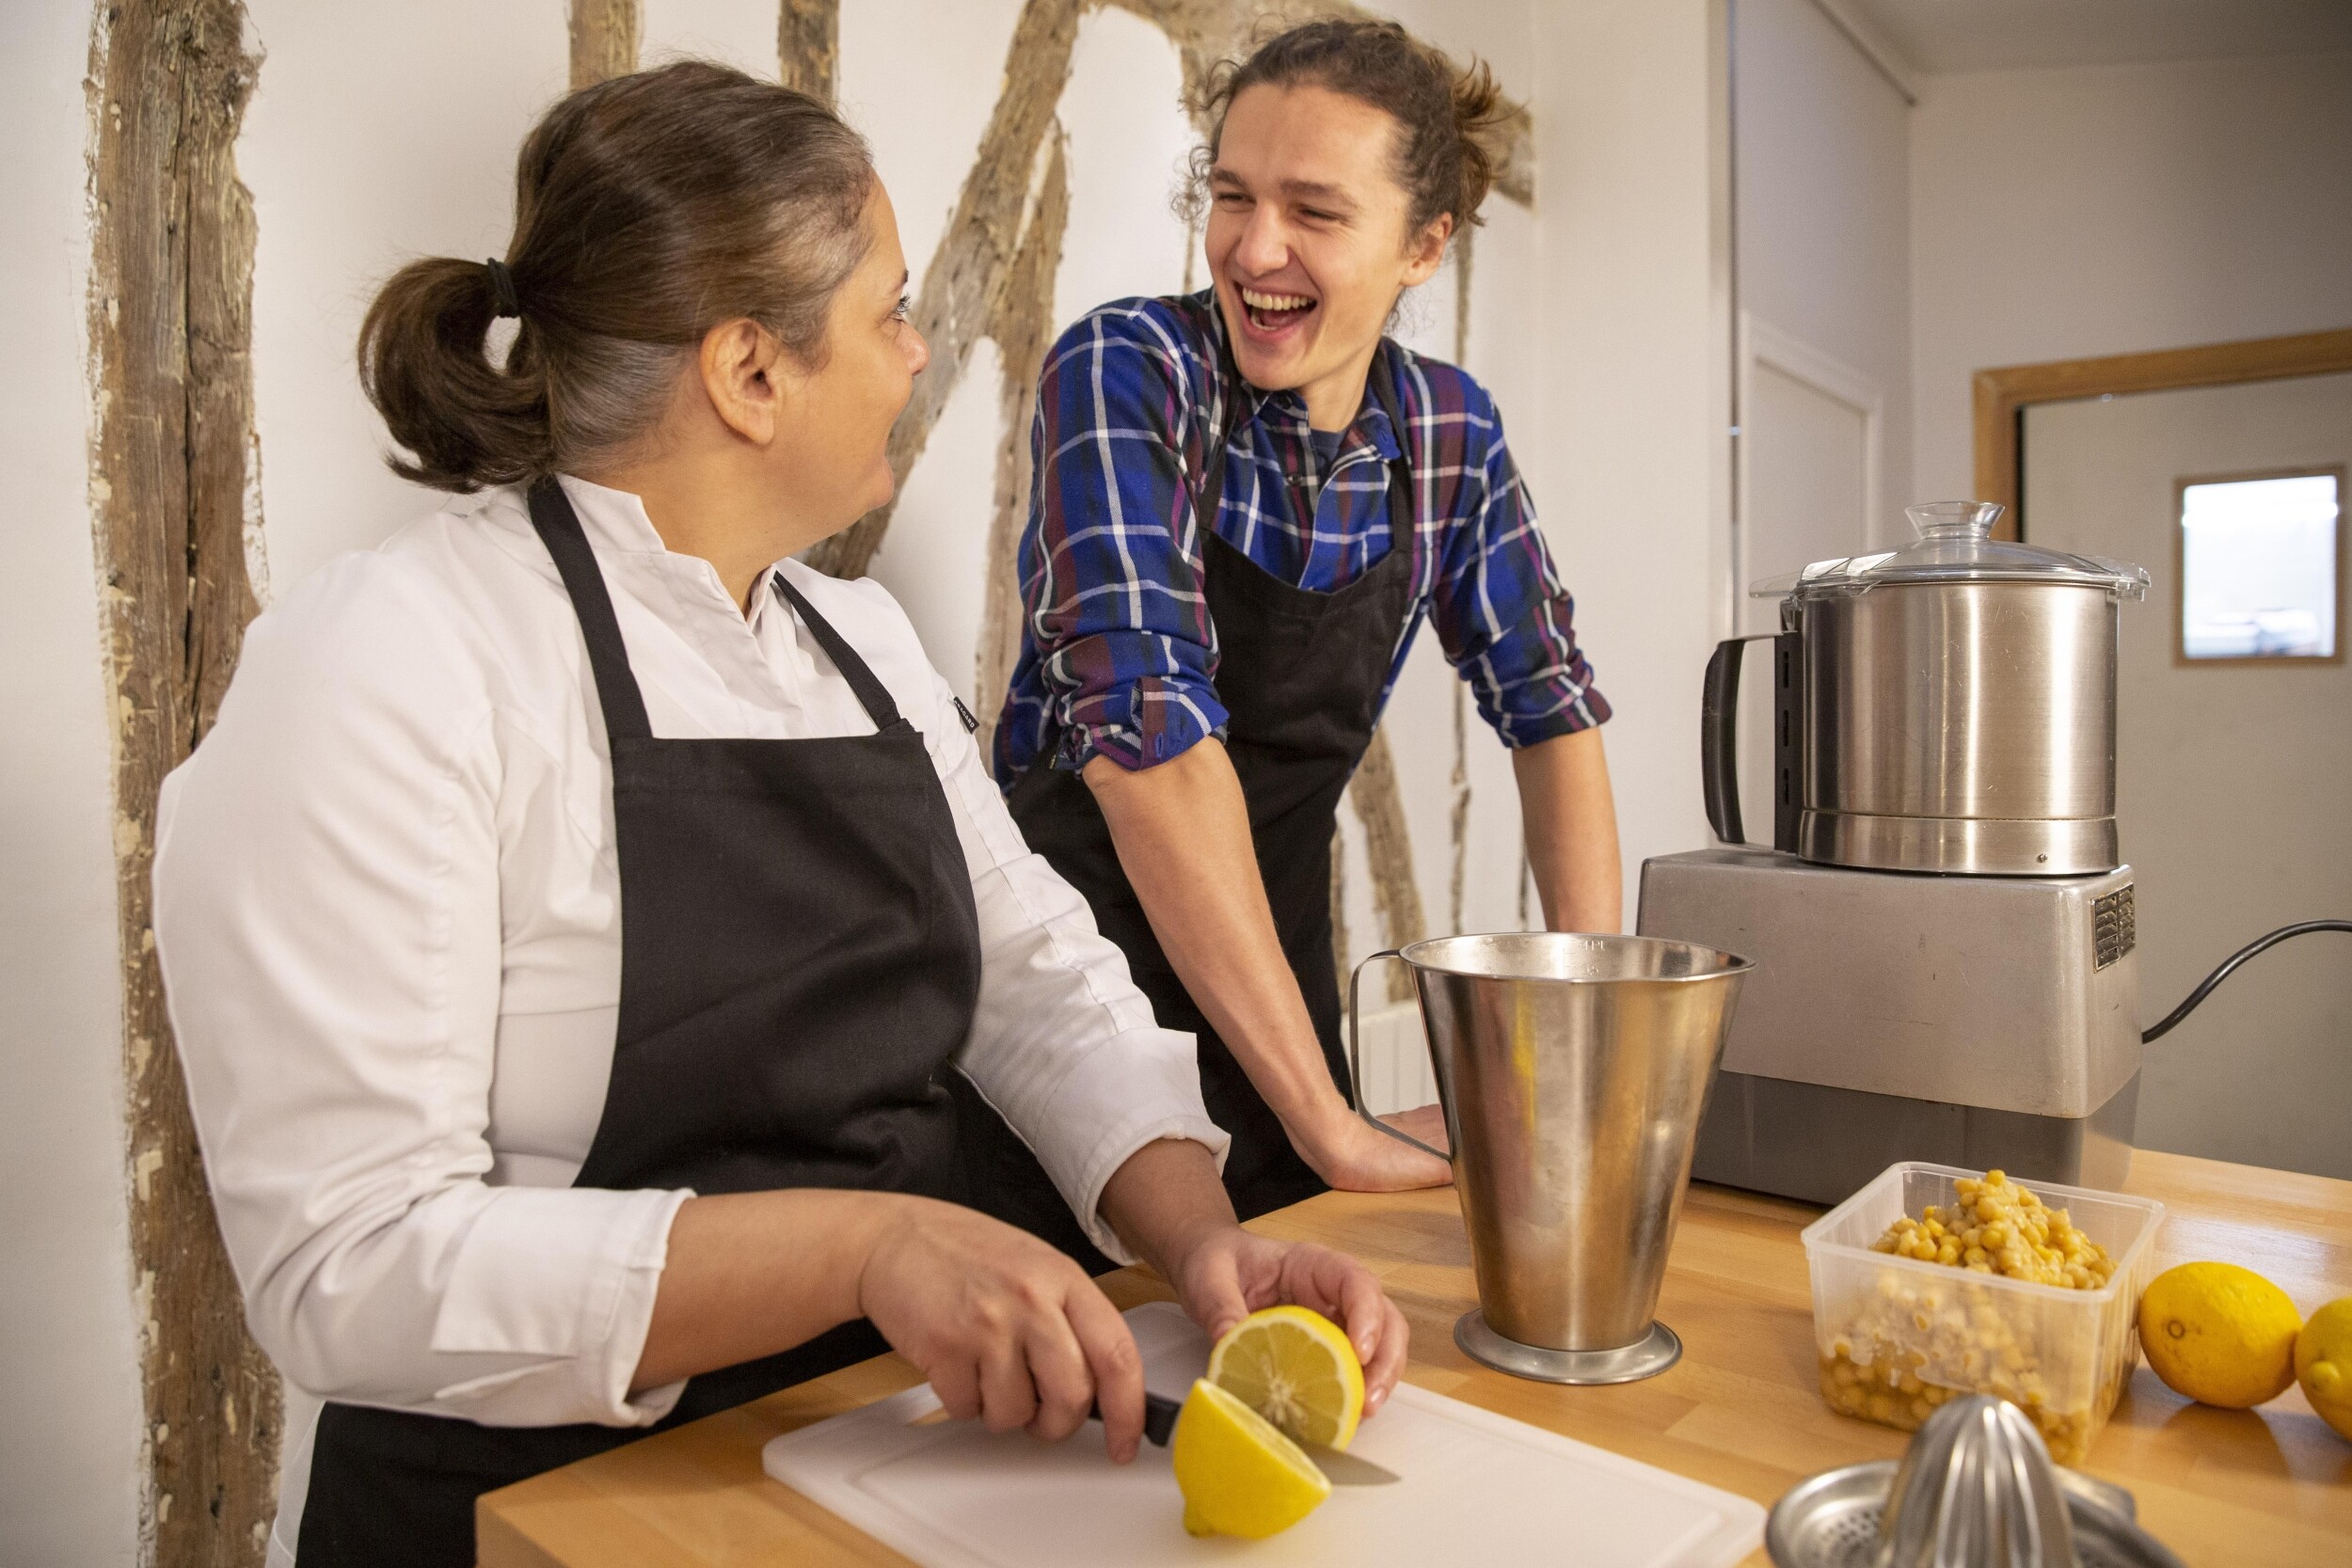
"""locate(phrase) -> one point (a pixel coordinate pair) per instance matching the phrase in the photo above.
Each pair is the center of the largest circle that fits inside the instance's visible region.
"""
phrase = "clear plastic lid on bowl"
(1956, 545)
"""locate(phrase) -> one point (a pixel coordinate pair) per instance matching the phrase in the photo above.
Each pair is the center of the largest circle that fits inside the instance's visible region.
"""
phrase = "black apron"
(1301, 675)
(799, 964)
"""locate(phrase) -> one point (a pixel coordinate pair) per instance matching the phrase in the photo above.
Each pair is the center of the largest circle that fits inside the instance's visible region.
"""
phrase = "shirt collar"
(1273, 409)
(617, 524)
(615, 520)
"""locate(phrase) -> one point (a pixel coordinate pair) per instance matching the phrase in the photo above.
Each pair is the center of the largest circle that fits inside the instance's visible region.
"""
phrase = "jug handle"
(1356, 1067)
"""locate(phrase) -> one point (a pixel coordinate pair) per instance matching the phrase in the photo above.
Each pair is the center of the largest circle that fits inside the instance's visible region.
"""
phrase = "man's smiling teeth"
(1257, 301)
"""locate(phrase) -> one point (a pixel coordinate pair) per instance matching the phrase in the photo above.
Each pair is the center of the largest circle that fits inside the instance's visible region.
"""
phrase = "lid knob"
(1954, 519)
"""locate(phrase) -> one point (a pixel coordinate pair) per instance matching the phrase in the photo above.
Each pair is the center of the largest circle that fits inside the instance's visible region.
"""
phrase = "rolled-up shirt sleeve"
(327, 918)
(1499, 606)
(1116, 613)
(1062, 1043)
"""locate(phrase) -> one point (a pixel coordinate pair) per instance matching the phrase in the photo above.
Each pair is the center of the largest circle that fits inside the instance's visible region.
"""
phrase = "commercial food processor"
(1943, 925)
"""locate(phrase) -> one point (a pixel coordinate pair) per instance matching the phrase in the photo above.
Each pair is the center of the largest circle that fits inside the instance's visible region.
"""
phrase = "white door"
(2234, 777)
(1808, 476)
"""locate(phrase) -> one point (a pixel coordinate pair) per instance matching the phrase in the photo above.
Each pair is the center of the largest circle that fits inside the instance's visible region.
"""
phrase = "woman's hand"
(1229, 1274)
(1354, 1157)
(1004, 1327)
(1167, 1203)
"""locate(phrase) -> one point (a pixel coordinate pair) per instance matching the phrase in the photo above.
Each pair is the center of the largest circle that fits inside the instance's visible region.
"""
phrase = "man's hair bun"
(1452, 120)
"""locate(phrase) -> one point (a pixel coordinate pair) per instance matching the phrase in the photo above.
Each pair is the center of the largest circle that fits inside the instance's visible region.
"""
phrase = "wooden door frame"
(2003, 394)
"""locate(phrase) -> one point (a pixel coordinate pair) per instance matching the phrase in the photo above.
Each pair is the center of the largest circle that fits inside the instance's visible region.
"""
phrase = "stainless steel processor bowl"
(1952, 705)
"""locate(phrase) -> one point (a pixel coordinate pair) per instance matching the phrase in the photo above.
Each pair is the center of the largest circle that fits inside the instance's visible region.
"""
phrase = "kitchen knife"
(1340, 1468)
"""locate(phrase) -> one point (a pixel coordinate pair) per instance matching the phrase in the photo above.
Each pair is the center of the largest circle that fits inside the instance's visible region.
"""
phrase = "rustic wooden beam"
(171, 334)
(1464, 256)
(1022, 328)
(1389, 850)
(968, 268)
(605, 35)
(808, 46)
(1342, 950)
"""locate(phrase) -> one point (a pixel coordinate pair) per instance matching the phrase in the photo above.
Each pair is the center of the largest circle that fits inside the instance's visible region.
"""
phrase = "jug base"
(1652, 1353)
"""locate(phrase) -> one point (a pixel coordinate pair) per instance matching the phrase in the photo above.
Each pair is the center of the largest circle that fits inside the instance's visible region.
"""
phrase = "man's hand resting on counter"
(1354, 1157)
(1181, 830)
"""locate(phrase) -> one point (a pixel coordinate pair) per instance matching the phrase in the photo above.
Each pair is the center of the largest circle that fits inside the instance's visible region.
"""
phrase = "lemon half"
(1296, 1368)
(2223, 1334)
(1238, 1474)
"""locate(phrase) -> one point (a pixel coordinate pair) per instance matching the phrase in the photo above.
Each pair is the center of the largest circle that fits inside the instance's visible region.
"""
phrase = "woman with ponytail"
(1247, 501)
(590, 933)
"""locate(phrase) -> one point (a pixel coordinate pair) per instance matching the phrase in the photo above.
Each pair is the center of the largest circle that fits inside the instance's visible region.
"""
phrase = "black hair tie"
(502, 287)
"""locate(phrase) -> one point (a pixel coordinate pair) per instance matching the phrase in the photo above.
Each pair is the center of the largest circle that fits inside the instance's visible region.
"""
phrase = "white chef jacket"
(387, 907)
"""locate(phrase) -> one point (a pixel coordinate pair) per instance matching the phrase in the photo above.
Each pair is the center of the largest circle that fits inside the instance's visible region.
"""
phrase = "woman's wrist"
(884, 1222)
(1164, 1200)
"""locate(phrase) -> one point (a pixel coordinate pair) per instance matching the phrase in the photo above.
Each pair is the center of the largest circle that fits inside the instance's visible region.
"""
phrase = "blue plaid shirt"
(1118, 653)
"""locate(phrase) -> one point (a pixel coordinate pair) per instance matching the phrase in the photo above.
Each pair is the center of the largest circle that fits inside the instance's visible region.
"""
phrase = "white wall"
(2234, 782)
(367, 144)
(70, 1423)
(378, 133)
(2072, 213)
(1631, 450)
(1823, 150)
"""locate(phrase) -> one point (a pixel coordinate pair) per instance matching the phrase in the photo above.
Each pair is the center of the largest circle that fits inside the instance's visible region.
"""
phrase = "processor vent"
(2114, 930)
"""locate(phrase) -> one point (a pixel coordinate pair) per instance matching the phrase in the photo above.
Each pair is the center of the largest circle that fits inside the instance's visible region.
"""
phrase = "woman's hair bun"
(423, 360)
(648, 209)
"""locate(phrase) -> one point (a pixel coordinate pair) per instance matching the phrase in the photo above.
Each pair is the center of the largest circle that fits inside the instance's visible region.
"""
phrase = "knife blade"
(1339, 1467)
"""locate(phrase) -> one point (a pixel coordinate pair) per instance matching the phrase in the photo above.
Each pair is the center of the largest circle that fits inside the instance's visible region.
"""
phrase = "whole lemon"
(2219, 1334)
(2323, 1364)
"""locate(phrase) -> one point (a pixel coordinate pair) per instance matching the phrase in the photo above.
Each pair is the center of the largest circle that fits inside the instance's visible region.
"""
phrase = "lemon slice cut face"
(1296, 1368)
(1239, 1475)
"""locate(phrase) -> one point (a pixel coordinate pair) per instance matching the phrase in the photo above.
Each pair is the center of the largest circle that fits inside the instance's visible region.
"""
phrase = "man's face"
(1305, 240)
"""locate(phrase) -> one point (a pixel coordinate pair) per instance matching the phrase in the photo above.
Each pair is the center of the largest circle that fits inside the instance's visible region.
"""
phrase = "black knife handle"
(1159, 1417)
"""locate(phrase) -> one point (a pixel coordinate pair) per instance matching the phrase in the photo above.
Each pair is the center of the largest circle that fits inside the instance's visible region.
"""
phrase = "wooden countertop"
(1740, 1411)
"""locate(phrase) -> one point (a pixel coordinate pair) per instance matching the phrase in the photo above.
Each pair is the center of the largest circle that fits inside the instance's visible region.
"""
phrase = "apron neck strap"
(558, 529)
(617, 691)
(870, 691)
(1403, 517)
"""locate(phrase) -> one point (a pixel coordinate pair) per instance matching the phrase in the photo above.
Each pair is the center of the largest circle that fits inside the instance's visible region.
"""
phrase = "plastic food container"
(1897, 1337)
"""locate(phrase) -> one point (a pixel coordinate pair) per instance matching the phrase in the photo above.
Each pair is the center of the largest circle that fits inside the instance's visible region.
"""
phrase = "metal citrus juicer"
(1572, 1071)
(1976, 1489)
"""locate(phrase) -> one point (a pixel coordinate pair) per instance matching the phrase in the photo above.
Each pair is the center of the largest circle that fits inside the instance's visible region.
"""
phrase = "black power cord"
(2257, 945)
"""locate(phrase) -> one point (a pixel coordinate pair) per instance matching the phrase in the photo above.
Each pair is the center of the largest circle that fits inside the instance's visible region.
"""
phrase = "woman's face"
(1307, 239)
(832, 446)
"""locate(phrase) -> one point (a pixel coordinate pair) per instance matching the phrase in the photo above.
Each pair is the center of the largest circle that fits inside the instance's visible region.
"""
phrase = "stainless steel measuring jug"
(1573, 1071)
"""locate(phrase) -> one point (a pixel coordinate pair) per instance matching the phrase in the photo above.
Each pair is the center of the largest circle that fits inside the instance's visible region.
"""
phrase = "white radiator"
(1397, 1059)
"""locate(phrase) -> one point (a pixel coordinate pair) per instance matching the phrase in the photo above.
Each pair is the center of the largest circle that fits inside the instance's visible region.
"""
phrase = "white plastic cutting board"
(1478, 1487)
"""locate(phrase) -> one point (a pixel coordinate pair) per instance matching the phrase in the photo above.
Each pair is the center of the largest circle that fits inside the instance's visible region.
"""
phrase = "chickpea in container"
(2022, 1302)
